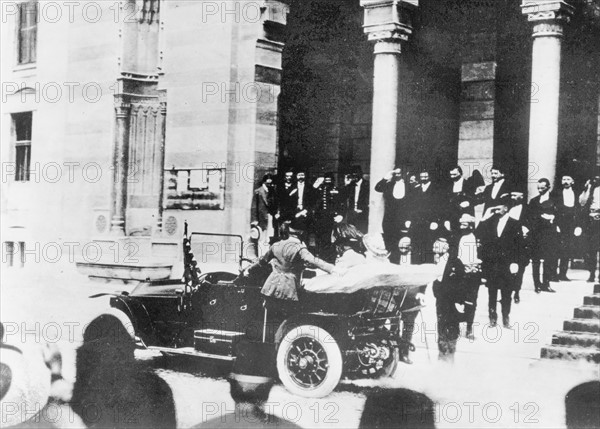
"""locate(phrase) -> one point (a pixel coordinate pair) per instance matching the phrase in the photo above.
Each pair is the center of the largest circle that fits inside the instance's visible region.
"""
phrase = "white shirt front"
(425, 186)
(516, 212)
(502, 224)
(356, 193)
(300, 195)
(545, 197)
(569, 197)
(458, 185)
(496, 188)
(596, 199)
(467, 249)
(399, 190)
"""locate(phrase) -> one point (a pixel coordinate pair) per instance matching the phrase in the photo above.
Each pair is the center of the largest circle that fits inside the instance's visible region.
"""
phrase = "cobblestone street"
(498, 380)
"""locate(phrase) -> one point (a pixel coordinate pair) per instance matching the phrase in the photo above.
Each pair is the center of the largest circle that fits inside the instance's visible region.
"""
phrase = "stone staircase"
(580, 339)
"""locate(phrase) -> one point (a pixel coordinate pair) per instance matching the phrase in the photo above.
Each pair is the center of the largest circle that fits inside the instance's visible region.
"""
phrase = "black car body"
(334, 335)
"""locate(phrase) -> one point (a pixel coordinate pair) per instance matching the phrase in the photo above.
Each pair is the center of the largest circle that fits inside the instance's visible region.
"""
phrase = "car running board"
(190, 351)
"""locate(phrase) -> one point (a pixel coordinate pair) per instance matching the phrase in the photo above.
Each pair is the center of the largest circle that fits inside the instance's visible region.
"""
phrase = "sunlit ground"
(498, 380)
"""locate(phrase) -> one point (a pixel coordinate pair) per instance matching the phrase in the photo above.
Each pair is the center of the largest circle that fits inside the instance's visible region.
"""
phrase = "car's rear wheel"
(309, 361)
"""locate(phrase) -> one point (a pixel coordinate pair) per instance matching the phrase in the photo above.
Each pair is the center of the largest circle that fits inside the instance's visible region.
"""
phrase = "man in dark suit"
(356, 200)
(286, 204)
(424, 220)
(263, 211)
(395, 197)
(518, 211)
(568, 216)
(461, 196)
(501, 251)
(590, 205)
(498, 187)
(541, 214)
(303, 199)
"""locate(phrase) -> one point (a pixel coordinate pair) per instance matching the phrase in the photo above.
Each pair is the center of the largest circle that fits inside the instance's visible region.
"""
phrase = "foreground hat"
(374, 244)
(297, 226)
(24, 382)
(504, 199)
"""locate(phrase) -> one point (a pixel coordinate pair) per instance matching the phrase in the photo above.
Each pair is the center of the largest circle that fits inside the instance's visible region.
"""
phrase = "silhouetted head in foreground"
(582, 406)
(397, 408)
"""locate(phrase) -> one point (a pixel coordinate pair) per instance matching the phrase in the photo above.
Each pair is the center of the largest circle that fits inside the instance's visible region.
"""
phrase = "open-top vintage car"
(356, 335)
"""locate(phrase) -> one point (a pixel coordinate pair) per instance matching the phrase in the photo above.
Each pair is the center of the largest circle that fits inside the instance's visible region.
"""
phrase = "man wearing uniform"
(288, 258)
(326, 214)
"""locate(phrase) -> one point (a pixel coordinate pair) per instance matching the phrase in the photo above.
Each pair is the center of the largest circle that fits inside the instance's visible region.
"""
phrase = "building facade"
(121, 120)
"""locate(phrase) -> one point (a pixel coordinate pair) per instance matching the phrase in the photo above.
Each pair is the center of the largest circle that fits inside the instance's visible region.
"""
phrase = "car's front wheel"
(309, 361)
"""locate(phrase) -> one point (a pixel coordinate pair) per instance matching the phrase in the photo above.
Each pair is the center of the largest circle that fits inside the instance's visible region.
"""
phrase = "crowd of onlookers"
(490, 232)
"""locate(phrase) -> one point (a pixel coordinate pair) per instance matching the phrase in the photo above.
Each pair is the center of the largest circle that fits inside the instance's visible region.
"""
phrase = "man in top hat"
(356, 199)
(395, 197)
(541, 213)
(568, 216)
(501, 251)
(590, 203)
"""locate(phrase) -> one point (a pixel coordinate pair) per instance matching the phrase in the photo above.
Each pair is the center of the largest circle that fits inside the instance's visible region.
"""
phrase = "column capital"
(122, 106)
(548, 16)
(122, 110)
(388, 21)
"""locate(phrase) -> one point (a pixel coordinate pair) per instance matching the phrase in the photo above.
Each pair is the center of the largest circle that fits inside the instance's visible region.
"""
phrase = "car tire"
(309, 361)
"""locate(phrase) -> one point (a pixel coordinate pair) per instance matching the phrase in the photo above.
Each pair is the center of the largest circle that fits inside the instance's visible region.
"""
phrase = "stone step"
(597, 288)
(587, 312)
(576, 339)
(592, 299)
(582, 325)
(570, 353)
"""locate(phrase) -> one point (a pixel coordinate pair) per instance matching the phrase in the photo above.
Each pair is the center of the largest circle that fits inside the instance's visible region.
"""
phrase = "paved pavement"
(497, 380)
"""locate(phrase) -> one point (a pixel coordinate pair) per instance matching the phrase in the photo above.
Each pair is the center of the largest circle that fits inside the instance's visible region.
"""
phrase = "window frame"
(26, 33)
(22, 154)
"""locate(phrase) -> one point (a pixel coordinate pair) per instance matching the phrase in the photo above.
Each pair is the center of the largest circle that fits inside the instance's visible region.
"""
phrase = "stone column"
(548, 18)
(160, 160)
(387, 23)
(120, 165)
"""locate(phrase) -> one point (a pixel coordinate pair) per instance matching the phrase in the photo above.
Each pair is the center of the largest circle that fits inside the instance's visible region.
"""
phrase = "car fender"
(334, 324)
(137, 313)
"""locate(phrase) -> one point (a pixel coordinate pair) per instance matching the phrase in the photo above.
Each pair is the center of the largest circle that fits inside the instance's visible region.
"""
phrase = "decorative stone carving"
(389, 20)
(557, 12)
